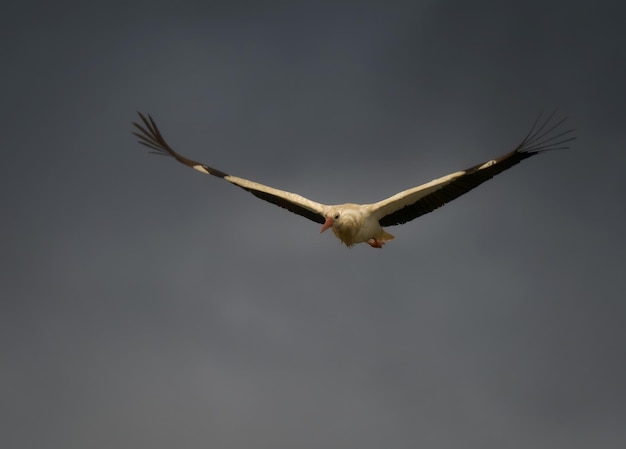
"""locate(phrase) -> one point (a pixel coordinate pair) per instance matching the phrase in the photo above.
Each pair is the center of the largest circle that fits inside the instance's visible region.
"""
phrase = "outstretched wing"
(150, 136)
(412, 203)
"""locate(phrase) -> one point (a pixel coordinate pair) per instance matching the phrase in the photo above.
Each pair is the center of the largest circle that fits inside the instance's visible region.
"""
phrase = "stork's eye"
(336, 216)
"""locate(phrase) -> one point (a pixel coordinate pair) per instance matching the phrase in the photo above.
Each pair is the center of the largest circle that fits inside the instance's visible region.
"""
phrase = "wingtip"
(542, 137)
(150, 136)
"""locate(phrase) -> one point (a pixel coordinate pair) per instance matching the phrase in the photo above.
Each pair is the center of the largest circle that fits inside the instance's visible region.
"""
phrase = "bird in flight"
(363, 223)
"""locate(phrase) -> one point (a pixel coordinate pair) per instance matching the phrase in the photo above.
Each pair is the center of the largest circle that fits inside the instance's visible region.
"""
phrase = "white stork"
(358, 223)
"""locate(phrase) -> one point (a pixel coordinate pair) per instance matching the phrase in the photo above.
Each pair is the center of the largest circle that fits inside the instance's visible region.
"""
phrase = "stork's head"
(346, 221)
(343, 218)
(333, 219)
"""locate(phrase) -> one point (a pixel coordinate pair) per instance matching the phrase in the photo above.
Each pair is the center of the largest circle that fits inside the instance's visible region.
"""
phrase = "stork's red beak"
(327, 224)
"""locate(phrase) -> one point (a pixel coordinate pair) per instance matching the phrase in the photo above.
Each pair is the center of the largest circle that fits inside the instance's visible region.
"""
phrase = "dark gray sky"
(146, 305)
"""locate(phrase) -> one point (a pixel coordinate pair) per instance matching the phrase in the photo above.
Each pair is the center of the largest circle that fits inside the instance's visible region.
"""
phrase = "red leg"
(375, 243)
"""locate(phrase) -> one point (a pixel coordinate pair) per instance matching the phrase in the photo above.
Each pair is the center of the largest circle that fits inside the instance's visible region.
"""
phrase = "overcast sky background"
(146, 305)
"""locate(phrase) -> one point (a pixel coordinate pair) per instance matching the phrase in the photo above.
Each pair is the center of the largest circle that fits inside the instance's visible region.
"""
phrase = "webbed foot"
(375, 243)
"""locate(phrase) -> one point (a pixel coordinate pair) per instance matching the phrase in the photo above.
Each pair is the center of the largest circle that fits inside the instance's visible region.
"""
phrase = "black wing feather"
(291, 207)
(539, 139)
(150, 136)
